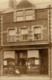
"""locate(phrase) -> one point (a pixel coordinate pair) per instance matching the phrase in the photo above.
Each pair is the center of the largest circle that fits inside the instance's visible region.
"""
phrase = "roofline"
(3, 12)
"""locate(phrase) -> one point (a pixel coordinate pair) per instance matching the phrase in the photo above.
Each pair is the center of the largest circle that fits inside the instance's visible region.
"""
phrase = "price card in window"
(36, 62)
(5, 62)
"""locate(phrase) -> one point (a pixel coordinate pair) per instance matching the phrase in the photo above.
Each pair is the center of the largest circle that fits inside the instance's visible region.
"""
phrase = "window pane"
(24, 31)
(29, 17)
(20, 13)
(20, 18)
(29, 12)
(37, 36)
(33, 53)
(37, 33)
(25, 37)
(9, 54)
(37, 30)
(37, 62)
(12, 35)
(12, 38)
(11, 32)
(5, 62)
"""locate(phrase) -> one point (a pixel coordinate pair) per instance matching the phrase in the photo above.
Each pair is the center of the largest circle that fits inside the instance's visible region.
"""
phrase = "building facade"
(26, 40)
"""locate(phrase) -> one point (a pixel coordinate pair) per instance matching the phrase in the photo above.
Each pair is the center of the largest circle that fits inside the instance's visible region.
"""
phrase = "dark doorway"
(44, 61)
(21, 58)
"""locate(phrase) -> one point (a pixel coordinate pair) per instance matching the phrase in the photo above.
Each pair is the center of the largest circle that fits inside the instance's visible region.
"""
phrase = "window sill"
(24, 21)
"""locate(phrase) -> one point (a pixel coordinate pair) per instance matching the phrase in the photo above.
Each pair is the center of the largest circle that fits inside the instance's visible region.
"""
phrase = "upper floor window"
(24, 15)
(12, 35)
(37, 31)
(29, 15)
(24, 34)
(19, 16)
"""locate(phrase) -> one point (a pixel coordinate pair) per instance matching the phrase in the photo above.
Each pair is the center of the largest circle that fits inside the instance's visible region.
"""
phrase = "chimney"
(12, 3)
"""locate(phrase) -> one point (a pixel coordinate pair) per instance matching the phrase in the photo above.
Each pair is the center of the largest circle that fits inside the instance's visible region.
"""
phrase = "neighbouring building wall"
(50, 40)
(1, 55)
(1, 62)
(51, 62)
(0, 30)
(50, 28)
(50, 22)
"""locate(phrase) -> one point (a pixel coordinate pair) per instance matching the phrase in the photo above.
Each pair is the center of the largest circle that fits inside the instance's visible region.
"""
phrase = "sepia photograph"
(25, 39)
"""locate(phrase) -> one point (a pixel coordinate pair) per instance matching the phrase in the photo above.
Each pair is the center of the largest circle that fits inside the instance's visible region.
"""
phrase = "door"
(44, 61)
(22, 65)
(21, 57)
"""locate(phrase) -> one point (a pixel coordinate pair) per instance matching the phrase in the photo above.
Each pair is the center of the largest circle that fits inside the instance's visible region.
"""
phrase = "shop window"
(12, 35)
(24, 34)
(19, 16)
(37, 31)
(33, 61)
(9, 62)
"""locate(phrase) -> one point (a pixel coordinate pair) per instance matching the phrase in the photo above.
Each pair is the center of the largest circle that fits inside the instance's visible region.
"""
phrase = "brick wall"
(8, 21)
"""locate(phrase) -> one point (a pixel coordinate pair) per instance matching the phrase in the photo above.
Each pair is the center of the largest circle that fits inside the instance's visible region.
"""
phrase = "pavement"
(25, 78)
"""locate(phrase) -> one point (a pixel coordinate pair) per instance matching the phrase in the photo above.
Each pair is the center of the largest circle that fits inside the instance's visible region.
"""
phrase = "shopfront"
(26, 62)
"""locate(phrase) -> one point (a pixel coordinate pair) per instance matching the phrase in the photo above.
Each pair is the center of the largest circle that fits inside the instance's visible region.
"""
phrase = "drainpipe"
(50, 37)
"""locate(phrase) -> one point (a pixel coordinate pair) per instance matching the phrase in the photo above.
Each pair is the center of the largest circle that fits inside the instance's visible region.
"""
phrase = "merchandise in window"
(9, 62)
(33, 61)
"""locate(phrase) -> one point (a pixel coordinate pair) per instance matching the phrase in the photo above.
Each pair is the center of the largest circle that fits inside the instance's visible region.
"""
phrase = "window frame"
(32, 60)
(25, 27)
(30, 14)
(18, 16)
(11, 36)
(41, 26)
(24, 14)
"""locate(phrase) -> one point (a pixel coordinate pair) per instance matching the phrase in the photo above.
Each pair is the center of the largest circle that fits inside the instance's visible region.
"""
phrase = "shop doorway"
(21, 58)
(43, 61)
